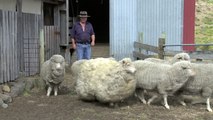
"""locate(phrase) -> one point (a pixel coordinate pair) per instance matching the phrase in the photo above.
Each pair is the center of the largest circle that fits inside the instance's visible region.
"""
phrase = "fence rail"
(161, 52)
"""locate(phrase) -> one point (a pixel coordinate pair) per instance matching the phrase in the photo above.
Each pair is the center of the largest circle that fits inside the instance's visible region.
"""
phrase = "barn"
(33, 30)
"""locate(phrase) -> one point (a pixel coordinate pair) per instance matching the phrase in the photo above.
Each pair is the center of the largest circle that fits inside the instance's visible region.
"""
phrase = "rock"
(6, 88)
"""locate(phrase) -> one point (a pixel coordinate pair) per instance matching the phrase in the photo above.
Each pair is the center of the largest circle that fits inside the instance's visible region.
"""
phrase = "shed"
(33, 30)
(121, 22)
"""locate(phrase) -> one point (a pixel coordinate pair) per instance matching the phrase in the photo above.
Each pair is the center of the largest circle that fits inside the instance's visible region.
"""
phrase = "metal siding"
(123, 29)
(160, 16)
(189, 24)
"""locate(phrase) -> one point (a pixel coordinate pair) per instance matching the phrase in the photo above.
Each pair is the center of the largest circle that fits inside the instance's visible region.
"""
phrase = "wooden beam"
(20, 39)
(42, 54)
(55, 2)
(146, 47)
(140, 55)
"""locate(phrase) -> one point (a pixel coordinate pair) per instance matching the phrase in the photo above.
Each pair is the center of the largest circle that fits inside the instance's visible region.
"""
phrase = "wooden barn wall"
(51, 40)
(9, 69)
(31, 28)
(10, 58)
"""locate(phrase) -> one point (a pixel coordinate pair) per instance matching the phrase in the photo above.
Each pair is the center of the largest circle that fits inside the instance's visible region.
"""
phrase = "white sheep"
(178, 57)
(201, 83)
(164, 79)
(52, 73)
(76, 66)
(106, 80)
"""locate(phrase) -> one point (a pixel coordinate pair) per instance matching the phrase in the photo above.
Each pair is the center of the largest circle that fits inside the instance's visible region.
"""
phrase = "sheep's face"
(186, 67)
(182, 56)
(57, 64)
(128, 65)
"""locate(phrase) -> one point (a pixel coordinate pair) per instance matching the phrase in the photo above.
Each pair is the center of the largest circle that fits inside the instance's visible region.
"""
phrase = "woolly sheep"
(76, 66)
(167, 79)
(106, 80)
(52, 73)
(201, 83)
(176, 58)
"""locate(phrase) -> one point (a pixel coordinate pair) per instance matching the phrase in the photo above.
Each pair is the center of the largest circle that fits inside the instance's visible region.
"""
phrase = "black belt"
(83, 43)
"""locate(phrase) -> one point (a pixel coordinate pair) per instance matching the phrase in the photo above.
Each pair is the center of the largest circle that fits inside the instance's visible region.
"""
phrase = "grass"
(204, 24)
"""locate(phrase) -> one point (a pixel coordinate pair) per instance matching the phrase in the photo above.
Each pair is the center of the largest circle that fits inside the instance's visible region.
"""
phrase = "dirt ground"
(67, 106)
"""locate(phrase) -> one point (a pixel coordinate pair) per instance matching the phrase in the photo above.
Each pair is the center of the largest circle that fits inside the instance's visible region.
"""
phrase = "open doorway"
(99, 12)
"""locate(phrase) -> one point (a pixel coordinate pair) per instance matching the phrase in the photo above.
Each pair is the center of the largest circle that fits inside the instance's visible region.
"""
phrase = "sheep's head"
(185, 66)
(57, 64)
(181, 57)
(128, 65)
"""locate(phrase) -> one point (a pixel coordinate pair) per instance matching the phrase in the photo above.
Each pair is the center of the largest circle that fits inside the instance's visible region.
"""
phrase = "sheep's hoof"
(183, 103)
(148, 103)
(113, 105)
(167, 107)
(209, 109)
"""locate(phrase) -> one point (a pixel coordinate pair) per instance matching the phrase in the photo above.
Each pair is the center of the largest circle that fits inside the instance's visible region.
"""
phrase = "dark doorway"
(99, 12)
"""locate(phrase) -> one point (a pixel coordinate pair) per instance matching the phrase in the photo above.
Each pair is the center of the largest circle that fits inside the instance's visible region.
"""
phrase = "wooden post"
(161, 43)
(20, 43)
(42, 54)
(67, 52)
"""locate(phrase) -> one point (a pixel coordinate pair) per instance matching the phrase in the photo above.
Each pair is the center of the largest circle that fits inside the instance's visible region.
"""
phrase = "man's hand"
(74, 46)
(92, 43)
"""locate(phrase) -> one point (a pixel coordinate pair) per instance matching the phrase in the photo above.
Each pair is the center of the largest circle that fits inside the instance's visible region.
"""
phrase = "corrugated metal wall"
(8, 46)
(157, 17)
(131, 20)
(123, 28)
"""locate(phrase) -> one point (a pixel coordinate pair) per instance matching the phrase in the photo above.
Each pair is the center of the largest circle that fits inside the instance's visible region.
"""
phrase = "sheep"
(176, 58)
(76, 66)
(165, 78)
(4, 100)
(106, 80)
(52, 73)
(201, 83)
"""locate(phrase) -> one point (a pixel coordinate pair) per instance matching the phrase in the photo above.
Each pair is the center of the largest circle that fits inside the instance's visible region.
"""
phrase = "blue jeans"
(83, 51)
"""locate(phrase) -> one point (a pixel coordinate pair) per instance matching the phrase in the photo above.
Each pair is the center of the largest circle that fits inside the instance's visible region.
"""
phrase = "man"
(83, 37)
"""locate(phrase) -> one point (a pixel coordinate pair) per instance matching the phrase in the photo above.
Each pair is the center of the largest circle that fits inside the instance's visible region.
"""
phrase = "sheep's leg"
(49, 90)
(206, 92)
(55, 90)
(181, 100)
(208, 104)
(152, 99)
(114, 105)
(140, 95)
(165, 101)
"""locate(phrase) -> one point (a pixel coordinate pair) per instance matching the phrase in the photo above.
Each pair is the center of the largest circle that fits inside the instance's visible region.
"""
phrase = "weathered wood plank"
(16, 50)
(146, 47)
(1, 47)
(138, 55)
